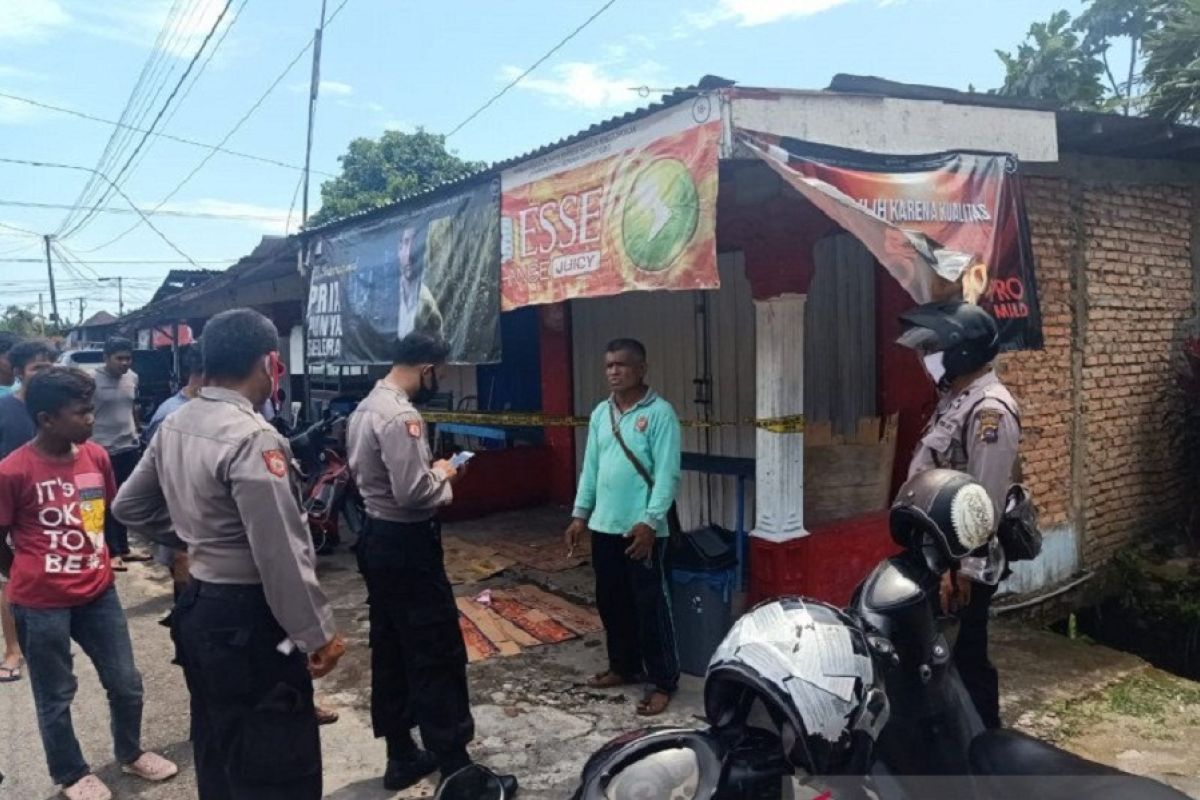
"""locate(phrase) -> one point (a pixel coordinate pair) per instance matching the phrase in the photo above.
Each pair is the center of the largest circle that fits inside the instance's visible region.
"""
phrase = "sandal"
(118, 565)
(607, 680)
(151, 767)
(89, 787)
(653, 704)
(325, 716)
(10, 674)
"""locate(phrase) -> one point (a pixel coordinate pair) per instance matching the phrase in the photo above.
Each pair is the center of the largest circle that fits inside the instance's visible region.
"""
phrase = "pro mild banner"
(630, 209)
(945, 225)
(433, 268)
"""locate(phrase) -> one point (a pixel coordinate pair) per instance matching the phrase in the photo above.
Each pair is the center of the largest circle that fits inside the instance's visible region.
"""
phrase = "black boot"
(408, 770)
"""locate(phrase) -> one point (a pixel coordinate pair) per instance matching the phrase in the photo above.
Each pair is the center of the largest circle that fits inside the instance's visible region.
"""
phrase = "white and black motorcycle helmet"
(944, 515)
(808, 666)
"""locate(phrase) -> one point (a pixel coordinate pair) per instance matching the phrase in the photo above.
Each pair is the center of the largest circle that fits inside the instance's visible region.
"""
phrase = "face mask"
(276, 370)
(934, 366)
(427, 391)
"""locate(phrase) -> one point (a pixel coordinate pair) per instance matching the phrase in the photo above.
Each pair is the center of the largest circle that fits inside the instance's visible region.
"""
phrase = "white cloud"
(761, 12)
(326, 88)
(582, 84)
(139, 22)
(13, 112)
(31, 20)
(397, 125)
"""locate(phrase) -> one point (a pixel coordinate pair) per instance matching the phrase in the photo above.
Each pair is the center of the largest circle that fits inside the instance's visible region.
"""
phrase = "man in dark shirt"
(16, 428)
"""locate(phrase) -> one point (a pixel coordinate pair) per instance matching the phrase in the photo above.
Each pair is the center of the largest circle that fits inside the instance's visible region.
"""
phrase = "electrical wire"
(18, 229)
(236, 127)
(114, 183)
(116, 260)
(165, 213)
(562, 42)
(120, 137)
(118, 189)
(181, 139)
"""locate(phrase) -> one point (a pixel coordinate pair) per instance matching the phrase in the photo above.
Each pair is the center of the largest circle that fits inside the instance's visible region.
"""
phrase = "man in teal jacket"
(630, 476)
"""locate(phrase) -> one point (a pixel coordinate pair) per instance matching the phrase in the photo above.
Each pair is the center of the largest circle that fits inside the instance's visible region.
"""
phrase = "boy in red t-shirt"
(53, 494)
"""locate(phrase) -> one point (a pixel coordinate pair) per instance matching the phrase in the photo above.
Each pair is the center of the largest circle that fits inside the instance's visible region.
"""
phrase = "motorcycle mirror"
(472, 782)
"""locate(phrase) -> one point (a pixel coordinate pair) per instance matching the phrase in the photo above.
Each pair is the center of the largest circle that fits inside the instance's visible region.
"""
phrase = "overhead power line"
(137, 105)
(125, 197)
(532, 67)
(163, 213)
(19, 229)
(125, 261)
(160, 134)
(236, 127)
(115, 182)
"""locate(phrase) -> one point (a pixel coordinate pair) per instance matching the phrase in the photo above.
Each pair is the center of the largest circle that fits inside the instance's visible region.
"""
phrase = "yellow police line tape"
(793, 423)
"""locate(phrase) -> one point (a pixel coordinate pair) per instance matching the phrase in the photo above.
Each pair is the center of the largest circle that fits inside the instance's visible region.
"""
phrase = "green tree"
(1106, 20)
(376, 172)
(20, 321)
(1052, 65)
(1172, 70)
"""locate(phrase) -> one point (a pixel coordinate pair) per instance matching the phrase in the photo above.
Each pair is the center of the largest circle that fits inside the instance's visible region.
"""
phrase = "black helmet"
(809, 666)
(965, 334)
(944, 514)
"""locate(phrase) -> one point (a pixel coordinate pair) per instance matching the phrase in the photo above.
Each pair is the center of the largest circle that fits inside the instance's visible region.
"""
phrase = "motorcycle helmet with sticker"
(965, 335)
(800, 669)
(942, 514)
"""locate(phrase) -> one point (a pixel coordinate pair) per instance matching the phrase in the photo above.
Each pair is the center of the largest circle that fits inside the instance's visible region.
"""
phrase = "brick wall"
(1041, 380)
(1136, 248)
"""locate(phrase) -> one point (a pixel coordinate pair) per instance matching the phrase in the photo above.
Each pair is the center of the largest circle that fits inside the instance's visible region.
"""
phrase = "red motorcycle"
(328, 487)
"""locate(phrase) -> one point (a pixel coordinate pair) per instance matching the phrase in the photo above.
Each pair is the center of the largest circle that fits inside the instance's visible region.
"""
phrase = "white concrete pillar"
(779, 384)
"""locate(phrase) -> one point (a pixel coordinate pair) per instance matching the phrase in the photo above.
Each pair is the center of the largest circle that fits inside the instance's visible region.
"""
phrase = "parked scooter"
(807, 700)
(328, 488)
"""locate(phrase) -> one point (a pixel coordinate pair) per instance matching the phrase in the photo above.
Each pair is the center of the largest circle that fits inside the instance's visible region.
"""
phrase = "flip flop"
(325, 716)
(137, 555)
(118, 565)
(10, 674)
(607, 680)
(653, 704)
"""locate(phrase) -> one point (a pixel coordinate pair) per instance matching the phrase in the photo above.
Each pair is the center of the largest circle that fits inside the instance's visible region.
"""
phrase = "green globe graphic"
(660, 214)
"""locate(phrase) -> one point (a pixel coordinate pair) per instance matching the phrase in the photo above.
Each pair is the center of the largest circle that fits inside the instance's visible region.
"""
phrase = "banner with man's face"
(433, 268)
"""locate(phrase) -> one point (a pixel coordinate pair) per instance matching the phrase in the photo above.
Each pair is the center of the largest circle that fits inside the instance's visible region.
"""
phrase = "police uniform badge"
(641, 424)
(989, 425)
(414, 429)
(276, 461)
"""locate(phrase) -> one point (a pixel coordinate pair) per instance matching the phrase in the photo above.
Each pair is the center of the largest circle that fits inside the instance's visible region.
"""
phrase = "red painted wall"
(557, 398)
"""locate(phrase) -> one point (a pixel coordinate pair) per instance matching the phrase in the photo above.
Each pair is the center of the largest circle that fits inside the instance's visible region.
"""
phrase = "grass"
(1151, 697)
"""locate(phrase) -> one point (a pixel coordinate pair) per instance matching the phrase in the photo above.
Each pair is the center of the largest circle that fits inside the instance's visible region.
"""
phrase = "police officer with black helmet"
(975, 429)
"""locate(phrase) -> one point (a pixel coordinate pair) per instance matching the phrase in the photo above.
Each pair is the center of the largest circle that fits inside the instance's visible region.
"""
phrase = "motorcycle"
(328, 489)
(855, 703)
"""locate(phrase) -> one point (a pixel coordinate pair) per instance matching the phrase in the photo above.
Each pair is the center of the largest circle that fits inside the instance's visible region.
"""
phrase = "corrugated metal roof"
(679, 95)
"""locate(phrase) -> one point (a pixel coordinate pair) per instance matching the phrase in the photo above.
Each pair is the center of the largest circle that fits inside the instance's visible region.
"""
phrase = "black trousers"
(116, 537)
(418, 658)
(636, 611)
(971, 656)
(254, 730)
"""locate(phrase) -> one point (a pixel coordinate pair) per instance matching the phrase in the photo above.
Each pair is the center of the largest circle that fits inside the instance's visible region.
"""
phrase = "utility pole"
(50, 273)
(120, 297)
(312, 111)
(81, 304)
(42, 312)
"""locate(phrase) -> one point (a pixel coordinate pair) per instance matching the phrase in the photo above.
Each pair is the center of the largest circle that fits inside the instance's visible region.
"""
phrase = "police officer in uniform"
(418, 659)
(252, 628)
(976, 429)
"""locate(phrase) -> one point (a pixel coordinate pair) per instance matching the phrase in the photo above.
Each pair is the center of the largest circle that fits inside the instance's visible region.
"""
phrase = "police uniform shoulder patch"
(276, 461)
(989, 425)
(414, 429)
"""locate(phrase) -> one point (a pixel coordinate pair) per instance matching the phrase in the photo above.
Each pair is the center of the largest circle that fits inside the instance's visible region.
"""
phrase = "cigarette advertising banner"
(433, 268)
(632, 209)
(946, 226)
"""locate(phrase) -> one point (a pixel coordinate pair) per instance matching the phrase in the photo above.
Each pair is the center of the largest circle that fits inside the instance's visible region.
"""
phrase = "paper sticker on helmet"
(276, 462)
(972, 515)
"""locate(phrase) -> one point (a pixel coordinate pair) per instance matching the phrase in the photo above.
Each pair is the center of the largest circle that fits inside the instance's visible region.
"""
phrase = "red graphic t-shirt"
(54, 512)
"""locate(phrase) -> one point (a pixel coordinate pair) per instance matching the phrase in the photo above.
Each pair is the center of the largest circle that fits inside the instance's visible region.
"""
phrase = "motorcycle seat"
(1018, 765)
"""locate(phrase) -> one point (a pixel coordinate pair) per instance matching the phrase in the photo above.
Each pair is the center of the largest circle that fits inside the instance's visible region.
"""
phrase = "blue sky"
(393, 64)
